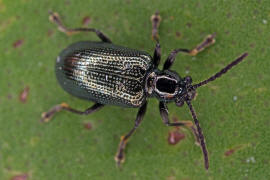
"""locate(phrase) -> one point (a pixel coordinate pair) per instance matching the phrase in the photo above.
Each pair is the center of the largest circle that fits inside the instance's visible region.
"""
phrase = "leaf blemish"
(231, 151)
(88, 126)
(175, 137)
(86, 20)
(18, 43)
(24, 94)
(20, 177)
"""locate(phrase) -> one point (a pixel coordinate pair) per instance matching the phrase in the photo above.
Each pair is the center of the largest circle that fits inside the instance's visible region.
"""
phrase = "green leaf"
(233, 111)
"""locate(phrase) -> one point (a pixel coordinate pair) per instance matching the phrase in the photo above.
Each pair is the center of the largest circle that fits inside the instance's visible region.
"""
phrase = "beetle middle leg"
(46, 116)
(120, 156)
(164, 115)
(54, 17)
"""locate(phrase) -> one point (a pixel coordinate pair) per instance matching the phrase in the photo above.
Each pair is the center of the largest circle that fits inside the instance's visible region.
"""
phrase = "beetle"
(108, 74)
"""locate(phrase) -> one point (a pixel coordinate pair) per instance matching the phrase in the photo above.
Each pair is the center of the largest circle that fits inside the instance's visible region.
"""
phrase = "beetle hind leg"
(47, 116)
(120, 155)
(55, 18)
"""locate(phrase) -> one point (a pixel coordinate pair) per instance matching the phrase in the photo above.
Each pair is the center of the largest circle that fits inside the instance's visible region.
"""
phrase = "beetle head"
(188, 91)
(168, 86)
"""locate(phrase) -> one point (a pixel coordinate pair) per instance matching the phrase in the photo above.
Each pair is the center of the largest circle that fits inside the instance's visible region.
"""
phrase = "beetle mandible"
(109, 74)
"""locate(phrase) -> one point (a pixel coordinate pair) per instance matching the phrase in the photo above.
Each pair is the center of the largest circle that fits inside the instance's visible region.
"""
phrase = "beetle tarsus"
(155, 19)
(55, 18)
(120, 155)
(47, 116)
(208, 41)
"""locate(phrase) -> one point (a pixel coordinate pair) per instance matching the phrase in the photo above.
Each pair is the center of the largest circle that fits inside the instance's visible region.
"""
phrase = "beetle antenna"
(222, 71)
(200, 134)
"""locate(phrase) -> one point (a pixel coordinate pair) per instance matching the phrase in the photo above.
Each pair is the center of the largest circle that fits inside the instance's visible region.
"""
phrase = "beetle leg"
(164, 115)
(120, 156)
(54, 17)
(209, 40)
(157, 55)
(46, 116)
(156, 19)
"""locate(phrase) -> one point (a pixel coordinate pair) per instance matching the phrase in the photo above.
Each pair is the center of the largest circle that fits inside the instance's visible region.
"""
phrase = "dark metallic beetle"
(109, 74)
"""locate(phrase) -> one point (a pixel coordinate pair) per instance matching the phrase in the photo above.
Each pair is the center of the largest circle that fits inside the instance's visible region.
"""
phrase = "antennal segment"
(222, 71)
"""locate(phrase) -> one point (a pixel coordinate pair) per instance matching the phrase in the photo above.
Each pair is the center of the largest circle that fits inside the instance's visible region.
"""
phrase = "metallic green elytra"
(104, 73)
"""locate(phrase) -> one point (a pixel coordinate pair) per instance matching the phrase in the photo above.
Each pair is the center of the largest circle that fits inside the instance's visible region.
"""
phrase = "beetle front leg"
(54, 17)
(209, 40)
(120, 155)
(46, 116)
(156, 19)
(157, 55)
(163, 109)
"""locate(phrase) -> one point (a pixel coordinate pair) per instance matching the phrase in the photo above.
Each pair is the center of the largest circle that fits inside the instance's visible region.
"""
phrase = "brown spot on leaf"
(50, 33)
(128, 1)
(229, 152)
(178, 34)
(252, 45)
(20, 177)
(18, 43)
(189, 25)
(171, 178)
(9, 96)
(86, 20)
(175, 137)
(24, 94)
(88, 126)
(67, 2)
(229, 15)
